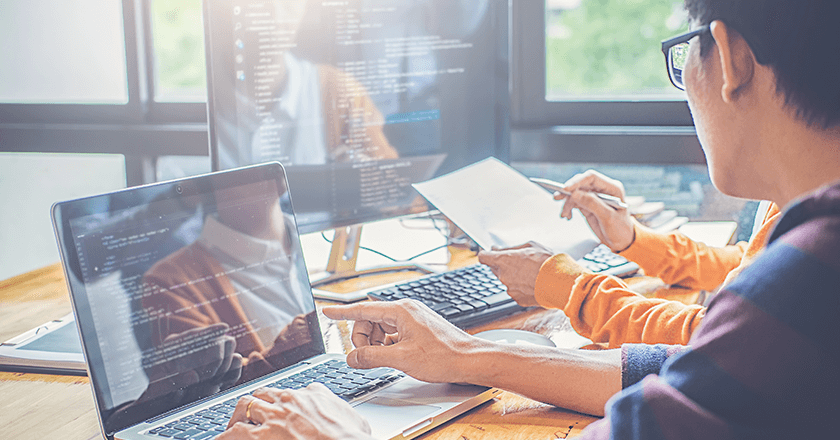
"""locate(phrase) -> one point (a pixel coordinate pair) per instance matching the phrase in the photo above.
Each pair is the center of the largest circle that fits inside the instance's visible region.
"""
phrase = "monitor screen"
(357, 98)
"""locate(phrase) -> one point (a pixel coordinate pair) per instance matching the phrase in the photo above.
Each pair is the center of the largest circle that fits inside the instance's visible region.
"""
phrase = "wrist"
(626, 244)
(555, 281)
(473, 362)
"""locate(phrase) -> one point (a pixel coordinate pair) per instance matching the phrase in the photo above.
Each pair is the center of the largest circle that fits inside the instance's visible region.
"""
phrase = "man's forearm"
(580, 380)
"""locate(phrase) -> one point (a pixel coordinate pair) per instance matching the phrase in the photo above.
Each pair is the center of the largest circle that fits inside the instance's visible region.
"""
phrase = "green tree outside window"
(609, 49)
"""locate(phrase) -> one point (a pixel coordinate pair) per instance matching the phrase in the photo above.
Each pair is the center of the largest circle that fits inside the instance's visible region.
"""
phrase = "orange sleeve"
(676, 259)
(603, 309)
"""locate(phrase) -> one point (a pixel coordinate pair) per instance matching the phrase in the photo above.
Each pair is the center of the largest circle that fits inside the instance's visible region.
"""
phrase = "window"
(68, 62)
(608, 50)
(178, 42)
(589, 83)
(91, 76)
(62, 52)
(594, 62)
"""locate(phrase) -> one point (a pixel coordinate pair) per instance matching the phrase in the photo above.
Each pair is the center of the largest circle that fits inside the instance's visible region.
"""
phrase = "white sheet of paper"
(498, 206)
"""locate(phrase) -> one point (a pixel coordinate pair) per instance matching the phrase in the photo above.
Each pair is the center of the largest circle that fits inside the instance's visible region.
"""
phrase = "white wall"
(29, 184)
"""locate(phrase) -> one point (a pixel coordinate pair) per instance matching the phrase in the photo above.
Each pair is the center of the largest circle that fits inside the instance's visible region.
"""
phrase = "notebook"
(191, 293)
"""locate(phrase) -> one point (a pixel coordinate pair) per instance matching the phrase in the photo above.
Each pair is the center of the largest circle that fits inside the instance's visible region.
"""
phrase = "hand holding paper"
(498, 206)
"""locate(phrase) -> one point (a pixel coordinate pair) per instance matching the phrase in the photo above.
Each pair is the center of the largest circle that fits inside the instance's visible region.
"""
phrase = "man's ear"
(737, 61)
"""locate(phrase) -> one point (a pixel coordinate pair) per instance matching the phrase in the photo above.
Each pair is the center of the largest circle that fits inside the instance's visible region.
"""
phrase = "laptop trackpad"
(388, 416)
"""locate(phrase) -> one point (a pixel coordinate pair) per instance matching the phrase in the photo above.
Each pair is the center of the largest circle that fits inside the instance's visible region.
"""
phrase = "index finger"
(489, 257)
(592, 180)
(384, 312)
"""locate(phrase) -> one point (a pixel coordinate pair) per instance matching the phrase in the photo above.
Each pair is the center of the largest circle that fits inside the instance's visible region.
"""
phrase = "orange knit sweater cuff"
(646, 245)
(555, 280)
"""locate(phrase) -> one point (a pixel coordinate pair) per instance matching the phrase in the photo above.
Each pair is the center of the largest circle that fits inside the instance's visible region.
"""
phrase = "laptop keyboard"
(472, 295)
(348, 383)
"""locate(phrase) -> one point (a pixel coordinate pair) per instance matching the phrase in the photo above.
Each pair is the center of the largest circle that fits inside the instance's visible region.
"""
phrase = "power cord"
(324, 236)
(434, 223)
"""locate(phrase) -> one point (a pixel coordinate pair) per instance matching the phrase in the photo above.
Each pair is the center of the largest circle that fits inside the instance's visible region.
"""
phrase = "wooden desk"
(34, 406)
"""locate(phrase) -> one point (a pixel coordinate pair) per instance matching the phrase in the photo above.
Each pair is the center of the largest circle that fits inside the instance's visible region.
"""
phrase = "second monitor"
(357, 98)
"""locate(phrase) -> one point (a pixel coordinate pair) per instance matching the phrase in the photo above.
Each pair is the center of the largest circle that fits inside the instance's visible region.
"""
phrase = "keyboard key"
(187, 434)
(450, 312)
(378, 372)
(497, 298)
(464, 307)
(478, 305)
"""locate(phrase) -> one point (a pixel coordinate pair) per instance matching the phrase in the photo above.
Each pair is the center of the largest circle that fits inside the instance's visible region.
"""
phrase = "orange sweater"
(603, 309)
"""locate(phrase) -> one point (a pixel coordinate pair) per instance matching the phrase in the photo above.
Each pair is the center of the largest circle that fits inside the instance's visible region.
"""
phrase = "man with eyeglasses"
(762, 82)
(604, 308)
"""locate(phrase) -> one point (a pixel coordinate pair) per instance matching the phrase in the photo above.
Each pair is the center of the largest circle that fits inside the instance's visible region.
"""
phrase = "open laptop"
(191, 293)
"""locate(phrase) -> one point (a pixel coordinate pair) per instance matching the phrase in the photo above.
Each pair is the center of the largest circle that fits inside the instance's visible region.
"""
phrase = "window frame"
(130, 112)
(141, 129)
(529, 107)
(619, 131)
(166, 112)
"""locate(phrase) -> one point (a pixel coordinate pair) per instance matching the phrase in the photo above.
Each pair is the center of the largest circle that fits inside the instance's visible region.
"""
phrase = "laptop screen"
(186, 288)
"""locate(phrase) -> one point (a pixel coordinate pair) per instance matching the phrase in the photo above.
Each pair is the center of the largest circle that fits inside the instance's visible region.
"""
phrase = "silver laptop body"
(191, 293)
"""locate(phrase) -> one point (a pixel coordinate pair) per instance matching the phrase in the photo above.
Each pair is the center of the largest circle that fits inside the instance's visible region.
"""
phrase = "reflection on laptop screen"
(191, 290)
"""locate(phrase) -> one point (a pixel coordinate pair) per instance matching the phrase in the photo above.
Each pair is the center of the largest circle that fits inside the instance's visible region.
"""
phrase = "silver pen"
(611, 201)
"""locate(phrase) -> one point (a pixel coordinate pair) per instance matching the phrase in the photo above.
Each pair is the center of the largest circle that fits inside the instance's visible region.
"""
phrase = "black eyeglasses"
(676, 53)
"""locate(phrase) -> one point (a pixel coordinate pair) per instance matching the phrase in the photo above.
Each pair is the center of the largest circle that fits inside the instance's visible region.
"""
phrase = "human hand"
(613, 226)
(517, 268)
(410, 337)
(310, 413)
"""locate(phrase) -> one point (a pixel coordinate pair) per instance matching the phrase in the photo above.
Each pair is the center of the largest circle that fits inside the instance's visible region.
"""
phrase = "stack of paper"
(655, 216)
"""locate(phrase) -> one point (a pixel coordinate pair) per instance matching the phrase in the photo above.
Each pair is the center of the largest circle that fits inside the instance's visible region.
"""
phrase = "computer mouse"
(515, 337)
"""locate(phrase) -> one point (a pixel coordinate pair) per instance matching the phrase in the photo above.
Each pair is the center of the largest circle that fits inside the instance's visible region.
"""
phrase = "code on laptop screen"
(190, 294)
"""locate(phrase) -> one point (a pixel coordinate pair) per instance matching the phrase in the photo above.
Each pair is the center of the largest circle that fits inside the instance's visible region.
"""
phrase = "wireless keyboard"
(472, 295)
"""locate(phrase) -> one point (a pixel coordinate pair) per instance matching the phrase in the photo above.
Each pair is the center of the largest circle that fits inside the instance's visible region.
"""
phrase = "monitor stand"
(342, 266)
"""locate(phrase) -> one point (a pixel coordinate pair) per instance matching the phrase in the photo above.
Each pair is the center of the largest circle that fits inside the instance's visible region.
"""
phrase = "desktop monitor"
(357, 98)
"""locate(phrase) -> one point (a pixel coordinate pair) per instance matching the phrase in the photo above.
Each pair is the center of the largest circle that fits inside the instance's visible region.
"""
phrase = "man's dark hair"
(798, 39)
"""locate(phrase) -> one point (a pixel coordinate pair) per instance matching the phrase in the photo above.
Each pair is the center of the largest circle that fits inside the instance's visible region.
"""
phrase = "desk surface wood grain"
(35, 406)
